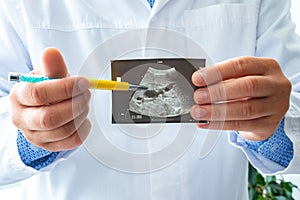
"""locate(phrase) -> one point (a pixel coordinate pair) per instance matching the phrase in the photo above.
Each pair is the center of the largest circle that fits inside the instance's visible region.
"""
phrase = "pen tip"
(137, 87)
(143, 87)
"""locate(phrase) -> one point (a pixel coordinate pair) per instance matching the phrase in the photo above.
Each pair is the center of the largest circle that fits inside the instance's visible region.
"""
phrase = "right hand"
(52, 114)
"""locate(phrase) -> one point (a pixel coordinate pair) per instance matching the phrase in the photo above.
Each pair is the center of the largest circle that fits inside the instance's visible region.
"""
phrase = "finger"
(60, 133)
(71, 142)
(250, 126)
(234, 68)
(245, 87)
(48, 92)
(53, 116)
(36, 72)
(238, 110)
(53, 64)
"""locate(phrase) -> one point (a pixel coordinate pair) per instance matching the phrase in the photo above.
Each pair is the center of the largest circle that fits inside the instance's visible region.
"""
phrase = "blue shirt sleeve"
(277, 148)
(33, 156)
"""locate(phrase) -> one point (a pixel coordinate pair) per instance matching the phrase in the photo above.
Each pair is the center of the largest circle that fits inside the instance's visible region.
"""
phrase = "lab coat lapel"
(146, 3)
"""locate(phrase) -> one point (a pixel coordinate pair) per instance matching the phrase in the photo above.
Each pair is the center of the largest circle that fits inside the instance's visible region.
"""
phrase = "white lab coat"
(206, 166)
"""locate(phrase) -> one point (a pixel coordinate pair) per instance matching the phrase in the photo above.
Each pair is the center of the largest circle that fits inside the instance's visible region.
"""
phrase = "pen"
(94, 83)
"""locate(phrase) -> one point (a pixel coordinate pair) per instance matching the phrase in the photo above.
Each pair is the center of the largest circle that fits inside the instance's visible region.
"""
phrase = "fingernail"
(199, 112)
(87, 96)
(83, 84)
(200, 76)
(200, 96)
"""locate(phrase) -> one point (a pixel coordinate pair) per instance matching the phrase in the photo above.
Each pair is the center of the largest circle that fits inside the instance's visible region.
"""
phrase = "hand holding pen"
(94, 83)
(52, 114)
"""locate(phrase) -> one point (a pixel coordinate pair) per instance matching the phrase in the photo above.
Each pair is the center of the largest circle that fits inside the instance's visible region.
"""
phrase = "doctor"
(53, 143)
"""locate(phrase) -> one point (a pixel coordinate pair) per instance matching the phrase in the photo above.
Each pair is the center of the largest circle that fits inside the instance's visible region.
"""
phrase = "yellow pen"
(94, 83)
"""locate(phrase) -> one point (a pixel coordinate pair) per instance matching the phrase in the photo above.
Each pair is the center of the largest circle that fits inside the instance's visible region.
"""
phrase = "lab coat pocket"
(223, 30)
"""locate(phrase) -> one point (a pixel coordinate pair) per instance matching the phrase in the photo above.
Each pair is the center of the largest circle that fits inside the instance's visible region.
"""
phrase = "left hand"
(247, 94)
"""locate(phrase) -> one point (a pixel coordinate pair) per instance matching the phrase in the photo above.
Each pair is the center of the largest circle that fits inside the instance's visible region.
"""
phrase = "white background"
(11, 191)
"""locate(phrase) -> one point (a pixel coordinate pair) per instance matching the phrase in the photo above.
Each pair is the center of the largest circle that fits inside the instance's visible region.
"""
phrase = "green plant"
(268, 187)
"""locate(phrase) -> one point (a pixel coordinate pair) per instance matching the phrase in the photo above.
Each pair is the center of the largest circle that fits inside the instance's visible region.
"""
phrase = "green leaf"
(251, 193)
(270, 179)
(252, 173)
(281, 198)
(286, 186)
(288, 194)
(260, 197)
(292, 185)
(260, 180)
(269, 191)
(276, 186)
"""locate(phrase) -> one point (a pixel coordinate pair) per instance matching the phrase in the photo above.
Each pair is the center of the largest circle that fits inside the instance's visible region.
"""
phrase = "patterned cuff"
(33, 156)
(277, 148)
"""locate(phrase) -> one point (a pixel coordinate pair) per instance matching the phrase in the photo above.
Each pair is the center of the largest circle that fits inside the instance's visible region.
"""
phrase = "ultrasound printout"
(168, 98)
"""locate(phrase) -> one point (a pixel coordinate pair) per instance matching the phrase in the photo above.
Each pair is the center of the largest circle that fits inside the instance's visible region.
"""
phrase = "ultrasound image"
(168, 98)
(165, 96)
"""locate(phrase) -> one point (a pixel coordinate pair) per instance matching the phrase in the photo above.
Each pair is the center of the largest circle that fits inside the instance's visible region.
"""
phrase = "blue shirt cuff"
(33, 156)
(277, 148)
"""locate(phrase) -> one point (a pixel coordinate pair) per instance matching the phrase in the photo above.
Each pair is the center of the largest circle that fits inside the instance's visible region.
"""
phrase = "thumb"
(53, 64)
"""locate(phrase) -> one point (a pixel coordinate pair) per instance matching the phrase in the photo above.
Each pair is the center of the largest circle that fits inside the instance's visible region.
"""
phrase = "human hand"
(52, 114)
(247, 94)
